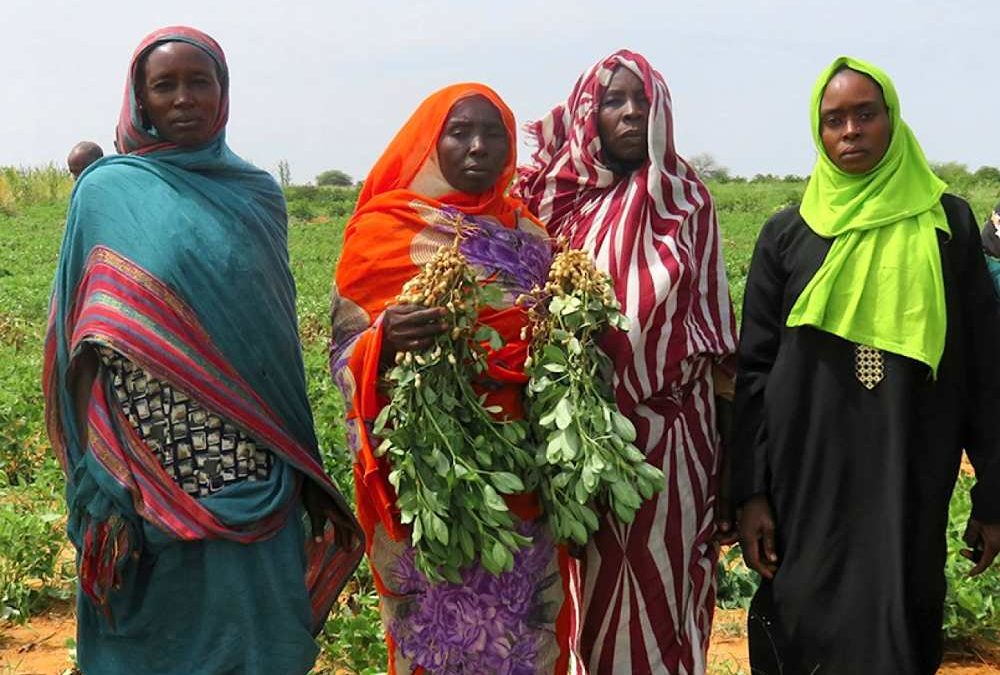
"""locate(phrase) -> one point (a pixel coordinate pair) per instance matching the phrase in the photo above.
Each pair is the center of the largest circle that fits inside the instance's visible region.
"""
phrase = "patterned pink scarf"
(654, 231)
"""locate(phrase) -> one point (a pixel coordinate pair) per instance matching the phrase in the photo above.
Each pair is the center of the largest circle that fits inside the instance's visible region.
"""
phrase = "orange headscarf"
(402, 217)
(393, 174)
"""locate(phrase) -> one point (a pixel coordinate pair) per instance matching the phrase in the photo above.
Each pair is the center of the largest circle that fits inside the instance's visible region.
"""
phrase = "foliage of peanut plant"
(452, 458)
(587, 456)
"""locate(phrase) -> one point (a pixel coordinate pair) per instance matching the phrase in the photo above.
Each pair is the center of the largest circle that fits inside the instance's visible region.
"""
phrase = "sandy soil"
(727, 654)
(40, 648)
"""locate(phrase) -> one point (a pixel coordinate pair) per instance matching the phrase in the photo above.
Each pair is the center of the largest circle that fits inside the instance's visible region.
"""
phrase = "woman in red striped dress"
(606, 176)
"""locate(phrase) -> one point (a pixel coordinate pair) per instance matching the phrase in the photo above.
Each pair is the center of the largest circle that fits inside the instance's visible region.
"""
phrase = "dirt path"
(727, 654)
(40, 648)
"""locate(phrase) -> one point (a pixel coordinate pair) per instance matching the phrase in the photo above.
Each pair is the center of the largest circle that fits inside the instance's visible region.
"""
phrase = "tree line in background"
(708, 167)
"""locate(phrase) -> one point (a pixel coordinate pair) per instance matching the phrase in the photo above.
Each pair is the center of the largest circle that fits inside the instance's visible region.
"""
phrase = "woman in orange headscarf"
(447, 168)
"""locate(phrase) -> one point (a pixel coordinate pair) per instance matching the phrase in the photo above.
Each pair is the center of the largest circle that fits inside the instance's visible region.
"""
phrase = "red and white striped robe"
(648, 588)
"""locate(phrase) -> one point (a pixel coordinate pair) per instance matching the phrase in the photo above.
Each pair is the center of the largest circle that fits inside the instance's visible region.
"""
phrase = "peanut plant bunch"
(452, 459)
(587, 459)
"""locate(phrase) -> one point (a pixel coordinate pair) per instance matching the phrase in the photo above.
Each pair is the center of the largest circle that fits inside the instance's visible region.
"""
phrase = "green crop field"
(35, 562)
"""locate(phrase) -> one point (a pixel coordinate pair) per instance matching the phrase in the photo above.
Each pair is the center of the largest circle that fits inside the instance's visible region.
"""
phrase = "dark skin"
(856, 131)
(473, 146)
(623, 121)
(854, 122)
(179, 91)
(83, 155)
(726, 533)
(472, 150)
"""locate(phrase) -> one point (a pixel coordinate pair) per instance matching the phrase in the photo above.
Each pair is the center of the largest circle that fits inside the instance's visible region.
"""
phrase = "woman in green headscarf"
(865, 367)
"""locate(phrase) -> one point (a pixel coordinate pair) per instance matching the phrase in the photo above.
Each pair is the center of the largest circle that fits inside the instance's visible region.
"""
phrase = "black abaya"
(859, 480)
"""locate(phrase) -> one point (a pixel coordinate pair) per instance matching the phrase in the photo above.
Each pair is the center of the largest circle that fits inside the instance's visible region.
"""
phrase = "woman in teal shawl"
(866, 366)
(176, 398)
(991, 245)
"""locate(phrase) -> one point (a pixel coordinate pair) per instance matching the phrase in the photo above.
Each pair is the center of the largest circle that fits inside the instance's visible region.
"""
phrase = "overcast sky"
(325, 84)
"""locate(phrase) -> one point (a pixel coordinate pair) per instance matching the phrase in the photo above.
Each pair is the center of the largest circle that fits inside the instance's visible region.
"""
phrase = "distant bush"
(306, 202)
(987, 174)
(20, 187)
(334, 178)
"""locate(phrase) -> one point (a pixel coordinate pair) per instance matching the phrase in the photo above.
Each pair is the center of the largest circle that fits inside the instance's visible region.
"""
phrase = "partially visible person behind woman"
(867, 363)
(607, 177)
(991, 245)
(447, 168)
(82, 155)
(176, 398)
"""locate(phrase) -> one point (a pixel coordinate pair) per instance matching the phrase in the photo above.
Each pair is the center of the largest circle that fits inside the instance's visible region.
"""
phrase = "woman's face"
(180, 93)
(623, 119)
(854, 122)
(473, 146)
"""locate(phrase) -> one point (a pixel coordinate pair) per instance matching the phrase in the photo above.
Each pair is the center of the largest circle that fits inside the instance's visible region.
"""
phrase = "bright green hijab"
(881, 283)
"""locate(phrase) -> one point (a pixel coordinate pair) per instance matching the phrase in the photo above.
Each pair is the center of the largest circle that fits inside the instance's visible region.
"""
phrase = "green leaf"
(465, 544)
(503, 557)
(555, 448)
(488, 557)
(590, 519)
(553, 354)
(491, 294)
(626, 494)
(564, 413)
(624, 513)
(485, 334)
(624, 427)
(492, 500)
(440, 530)
(507, 483)
(418, 531)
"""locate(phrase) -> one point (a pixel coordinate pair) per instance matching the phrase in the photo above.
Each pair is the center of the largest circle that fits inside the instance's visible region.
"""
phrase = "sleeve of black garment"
(760, 334)
(981, 317)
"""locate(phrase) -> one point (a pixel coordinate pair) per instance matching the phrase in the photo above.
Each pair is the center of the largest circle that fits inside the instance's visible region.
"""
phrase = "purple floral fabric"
(519, 259)
(486, 625)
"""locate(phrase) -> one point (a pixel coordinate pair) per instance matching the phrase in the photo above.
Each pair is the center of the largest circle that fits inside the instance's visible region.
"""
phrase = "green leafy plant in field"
(735, 582)
(306, 202)
(451, 459)
(970, 608)
(586, 453)
(352, 638)
(31, 540)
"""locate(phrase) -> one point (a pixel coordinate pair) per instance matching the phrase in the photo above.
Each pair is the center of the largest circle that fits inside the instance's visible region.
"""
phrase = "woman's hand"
(984, 542)
(726, 529)
(410, 328)
(757, 536)
(320, 508)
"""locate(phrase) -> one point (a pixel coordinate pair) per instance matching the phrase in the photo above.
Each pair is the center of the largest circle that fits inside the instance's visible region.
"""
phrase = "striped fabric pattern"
(648, 588)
